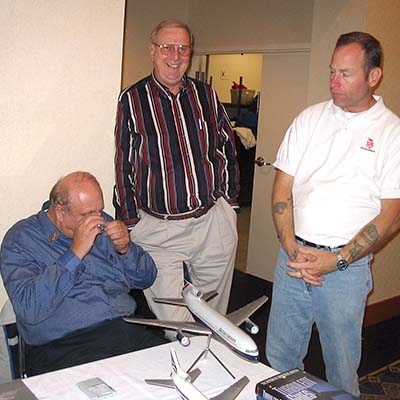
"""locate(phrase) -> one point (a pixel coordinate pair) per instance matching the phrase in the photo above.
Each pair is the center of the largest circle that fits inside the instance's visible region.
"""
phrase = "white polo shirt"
(344, 164)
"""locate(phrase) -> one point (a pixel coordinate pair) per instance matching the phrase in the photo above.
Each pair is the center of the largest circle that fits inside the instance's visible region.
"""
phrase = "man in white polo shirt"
(336, 200)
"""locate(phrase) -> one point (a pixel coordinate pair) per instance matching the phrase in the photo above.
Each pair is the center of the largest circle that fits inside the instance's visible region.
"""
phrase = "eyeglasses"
(169, 49)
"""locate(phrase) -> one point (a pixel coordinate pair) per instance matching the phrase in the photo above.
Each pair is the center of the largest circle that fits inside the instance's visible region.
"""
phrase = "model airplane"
(226, 328)
(183, 383)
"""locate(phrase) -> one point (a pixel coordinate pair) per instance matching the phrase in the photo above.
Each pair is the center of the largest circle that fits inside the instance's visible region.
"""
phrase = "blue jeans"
(337, 308)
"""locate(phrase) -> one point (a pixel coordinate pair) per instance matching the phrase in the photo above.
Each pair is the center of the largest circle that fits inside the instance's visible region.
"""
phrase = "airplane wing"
(184, 326)
(169, 383)
(209, 295)
(170, 300)
(232, 391)
(239, 316)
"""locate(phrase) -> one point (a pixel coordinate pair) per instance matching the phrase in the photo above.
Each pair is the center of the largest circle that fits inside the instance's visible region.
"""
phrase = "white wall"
(330, 19)
(60, 74)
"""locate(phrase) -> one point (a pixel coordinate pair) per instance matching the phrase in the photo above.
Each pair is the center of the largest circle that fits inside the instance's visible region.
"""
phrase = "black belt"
(178, 217)
(318, 246)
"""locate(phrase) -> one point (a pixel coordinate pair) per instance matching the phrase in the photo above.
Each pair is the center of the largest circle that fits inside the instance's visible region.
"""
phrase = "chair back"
(12, 354)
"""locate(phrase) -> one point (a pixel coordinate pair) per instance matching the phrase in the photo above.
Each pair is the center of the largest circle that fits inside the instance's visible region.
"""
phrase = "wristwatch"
(342, 264)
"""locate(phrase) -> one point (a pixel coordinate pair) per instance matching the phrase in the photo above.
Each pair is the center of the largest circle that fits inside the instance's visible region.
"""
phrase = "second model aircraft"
(224, 327)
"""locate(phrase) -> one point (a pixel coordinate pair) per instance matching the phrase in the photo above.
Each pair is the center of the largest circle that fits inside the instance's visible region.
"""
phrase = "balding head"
(72, 197)
(60, 193)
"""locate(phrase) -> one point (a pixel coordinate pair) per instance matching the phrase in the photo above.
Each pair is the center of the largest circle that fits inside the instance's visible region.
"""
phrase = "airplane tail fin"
(186, 275)
(176, 368)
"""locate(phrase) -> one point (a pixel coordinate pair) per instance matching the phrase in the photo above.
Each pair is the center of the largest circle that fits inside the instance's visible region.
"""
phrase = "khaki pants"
(206, 244)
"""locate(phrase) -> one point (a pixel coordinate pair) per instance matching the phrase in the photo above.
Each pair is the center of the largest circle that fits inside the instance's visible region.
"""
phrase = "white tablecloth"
(126, 373)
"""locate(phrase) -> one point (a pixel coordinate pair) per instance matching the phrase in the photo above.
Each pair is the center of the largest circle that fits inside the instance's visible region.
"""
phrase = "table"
(126, 373)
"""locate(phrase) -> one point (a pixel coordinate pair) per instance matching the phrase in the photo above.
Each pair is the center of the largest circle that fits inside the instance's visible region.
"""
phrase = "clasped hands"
(94, 224)
(311, 265)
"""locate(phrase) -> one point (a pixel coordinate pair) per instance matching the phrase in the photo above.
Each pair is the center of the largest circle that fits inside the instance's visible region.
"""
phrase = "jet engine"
(251, 327)
(183, 339)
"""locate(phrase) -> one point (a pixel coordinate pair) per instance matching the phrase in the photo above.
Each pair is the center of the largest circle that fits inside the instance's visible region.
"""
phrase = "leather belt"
(178, 217)
(318, 246)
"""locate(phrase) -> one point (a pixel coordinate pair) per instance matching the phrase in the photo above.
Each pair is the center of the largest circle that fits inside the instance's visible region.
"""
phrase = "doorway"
(283, 94)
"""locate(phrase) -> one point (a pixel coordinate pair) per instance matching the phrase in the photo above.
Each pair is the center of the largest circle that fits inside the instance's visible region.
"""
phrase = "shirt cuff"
(71, 262)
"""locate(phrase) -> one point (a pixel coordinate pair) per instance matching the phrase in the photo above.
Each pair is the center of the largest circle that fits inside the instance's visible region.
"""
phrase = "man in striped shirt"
(177, 178)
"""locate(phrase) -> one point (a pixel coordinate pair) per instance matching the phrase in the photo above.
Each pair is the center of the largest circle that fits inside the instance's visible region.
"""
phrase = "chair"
(12, 349)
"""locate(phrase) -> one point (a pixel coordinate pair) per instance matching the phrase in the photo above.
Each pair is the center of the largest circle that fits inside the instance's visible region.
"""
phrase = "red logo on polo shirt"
(369, 145)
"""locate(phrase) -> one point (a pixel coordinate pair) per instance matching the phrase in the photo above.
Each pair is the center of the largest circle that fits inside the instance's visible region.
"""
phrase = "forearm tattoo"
(370, 235)
(279, 208)
(356, 250)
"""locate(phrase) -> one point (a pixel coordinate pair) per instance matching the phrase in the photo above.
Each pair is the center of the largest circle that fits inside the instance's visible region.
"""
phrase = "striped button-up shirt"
(174, 154)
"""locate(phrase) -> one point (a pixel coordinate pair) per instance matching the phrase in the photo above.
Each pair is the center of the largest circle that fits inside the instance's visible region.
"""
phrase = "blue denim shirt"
(54, 293)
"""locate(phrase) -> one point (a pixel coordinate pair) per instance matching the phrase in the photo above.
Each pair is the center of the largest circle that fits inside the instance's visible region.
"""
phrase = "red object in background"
(235, 85)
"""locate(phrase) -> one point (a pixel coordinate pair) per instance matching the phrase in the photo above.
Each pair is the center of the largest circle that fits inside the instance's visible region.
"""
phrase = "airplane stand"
(205, 352)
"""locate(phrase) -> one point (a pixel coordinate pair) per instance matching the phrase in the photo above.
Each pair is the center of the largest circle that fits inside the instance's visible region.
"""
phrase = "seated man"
(68, 271)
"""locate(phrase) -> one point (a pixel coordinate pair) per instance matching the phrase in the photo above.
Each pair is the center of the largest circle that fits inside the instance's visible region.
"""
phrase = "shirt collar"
(49, 229)
(164, 89)
(372, 112)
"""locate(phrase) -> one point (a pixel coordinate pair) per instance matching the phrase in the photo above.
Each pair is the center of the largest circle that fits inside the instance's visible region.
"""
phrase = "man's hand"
(300, 256)
(315, 264)
(119, 235)
(85, 234)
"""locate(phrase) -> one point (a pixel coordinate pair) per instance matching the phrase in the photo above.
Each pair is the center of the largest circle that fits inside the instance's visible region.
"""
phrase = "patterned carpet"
(382, 384)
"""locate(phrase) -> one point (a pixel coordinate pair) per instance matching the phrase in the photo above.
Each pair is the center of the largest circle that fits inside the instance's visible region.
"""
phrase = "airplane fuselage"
(232, 335)
(186, 390)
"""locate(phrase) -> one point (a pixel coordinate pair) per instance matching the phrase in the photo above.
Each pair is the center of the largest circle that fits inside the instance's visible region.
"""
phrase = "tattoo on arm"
(293, 256)
(282, 209)
(355, 251)
(370, 234)
(279, 208)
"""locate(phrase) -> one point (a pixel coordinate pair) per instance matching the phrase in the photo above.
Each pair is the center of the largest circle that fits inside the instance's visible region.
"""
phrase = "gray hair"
(171, 23)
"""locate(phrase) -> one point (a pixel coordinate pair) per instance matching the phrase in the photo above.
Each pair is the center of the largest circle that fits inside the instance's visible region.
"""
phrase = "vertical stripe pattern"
(173, 154)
